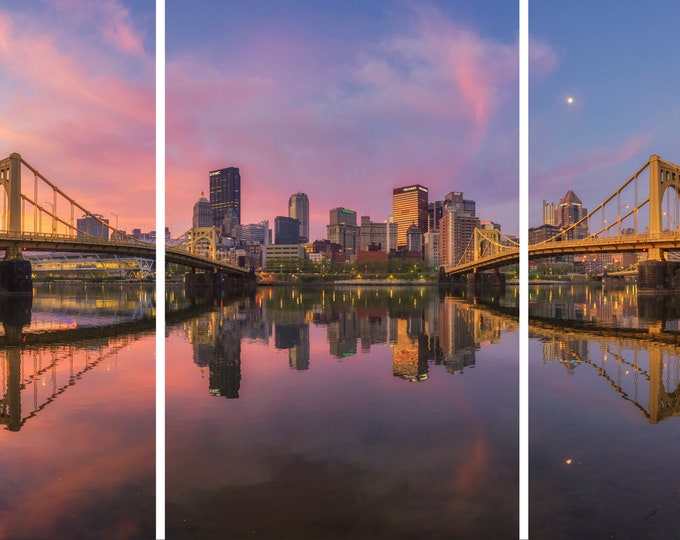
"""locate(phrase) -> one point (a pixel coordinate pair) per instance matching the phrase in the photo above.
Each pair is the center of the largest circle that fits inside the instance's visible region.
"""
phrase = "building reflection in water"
(216, 339)
(420, 327)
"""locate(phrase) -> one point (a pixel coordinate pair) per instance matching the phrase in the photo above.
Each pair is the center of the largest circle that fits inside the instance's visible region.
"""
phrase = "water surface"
(343, 413)
(604, 406)
(77, 442)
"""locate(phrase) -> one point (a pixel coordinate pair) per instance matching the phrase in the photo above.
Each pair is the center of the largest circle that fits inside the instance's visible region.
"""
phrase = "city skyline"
(79, 101)
(343, 103)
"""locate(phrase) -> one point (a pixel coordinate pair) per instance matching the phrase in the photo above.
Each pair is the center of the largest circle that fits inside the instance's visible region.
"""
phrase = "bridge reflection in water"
(641, 369)
(52, 340)
(77, 412)
(424, 329)
(631, 341)
(604, 374)
(33, 378)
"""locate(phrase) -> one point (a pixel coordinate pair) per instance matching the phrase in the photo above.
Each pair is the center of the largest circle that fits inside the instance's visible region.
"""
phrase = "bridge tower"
(662, 176)
(15, 272)
(10, 179)
(656, 274)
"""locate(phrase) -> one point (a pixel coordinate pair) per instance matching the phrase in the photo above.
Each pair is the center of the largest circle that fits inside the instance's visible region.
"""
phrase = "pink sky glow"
(434, 103)
(79, 93)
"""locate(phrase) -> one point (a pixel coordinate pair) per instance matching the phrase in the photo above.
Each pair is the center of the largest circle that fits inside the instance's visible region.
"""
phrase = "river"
(604, 377)
(77, 368)
(387, 412)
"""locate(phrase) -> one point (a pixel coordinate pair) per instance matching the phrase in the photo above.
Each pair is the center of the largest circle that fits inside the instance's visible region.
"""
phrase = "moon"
(570, 100)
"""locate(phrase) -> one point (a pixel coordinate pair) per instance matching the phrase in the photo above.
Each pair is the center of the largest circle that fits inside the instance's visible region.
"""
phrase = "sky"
(344, 101)
(78, 101)
(618, 61)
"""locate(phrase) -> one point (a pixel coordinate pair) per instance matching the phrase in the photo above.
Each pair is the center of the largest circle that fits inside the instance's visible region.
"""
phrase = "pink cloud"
(417, 106)
(79, 111)
(111, 19)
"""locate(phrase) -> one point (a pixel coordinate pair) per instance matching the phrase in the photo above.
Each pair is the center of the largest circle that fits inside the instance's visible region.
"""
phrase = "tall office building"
(343, 229)
(89, 226)
(435, 211)
(372, 235)
(286, 230)
(569, 211)
(409, 207)
(549, 212)
(298, 208)
(431, 247)
(202, 213)
(225, 199)
(255, 233)
(414, 239)
(455, 231)
(455, 199)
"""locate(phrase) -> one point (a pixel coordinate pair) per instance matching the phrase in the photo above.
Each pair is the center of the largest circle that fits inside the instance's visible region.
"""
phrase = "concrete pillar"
(15, 276)
(658, 276)
(479, 282)
(473, 282)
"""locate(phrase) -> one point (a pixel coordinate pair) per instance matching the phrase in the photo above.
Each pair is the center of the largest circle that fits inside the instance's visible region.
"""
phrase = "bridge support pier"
(485, 281)
(216, 283)
(658, 277)
(199, 280)
(15, 276)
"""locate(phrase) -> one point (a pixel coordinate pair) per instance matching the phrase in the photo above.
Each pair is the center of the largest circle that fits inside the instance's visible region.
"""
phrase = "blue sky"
(618, 60)
(343, 101)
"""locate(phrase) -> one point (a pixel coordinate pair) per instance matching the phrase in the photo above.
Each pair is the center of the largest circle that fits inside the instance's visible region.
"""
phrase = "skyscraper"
(203, 216)
(91, 225)
(255, 233)
(298, 208)
(414, 239)
(225, 198)
(455, 199)
(549, 212)
(286, 230)
(569, 211)
(456, 227)
(435, 211)
(409, 207)
(343, 229)
(372, 235)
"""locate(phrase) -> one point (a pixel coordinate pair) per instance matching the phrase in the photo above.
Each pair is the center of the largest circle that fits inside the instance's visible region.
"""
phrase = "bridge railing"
(83, 238)
(599, 240)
